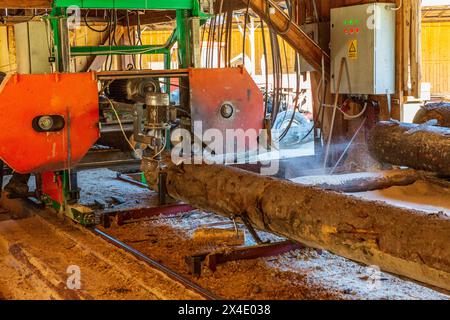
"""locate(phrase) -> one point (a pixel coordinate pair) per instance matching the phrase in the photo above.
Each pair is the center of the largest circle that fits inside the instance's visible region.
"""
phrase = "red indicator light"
(357, 30)
(351, 31)
(346, 31)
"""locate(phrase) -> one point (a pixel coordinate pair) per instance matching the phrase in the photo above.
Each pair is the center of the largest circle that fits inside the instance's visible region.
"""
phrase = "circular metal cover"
(45, 123)
(227, 110)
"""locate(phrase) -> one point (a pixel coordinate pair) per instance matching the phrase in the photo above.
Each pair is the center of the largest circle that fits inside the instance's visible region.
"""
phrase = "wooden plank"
(98, 61)
(416, 49)
(397, 105)
(232, 5)
(152, 17)
(298, 39)
(436, 57)
(12, 48)
(406, 43)
(25, 4)
(5, 65)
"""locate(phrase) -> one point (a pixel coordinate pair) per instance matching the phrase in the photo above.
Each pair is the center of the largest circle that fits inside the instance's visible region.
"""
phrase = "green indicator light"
(351, 21)
(356, 21)
(345, 22)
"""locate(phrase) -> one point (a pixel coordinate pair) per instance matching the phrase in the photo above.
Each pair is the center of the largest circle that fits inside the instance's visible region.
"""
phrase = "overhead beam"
(29, 4)
(152, 17)
(298, 39)
(128, 4)
(232, 5)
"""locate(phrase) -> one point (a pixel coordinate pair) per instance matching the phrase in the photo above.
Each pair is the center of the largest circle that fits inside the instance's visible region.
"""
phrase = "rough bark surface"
(405, 242)
(438, 111)
(416, 146)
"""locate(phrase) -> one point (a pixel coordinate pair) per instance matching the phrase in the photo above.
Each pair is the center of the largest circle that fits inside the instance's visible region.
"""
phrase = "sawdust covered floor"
(35, 253)
(300, 274)
(38, 254)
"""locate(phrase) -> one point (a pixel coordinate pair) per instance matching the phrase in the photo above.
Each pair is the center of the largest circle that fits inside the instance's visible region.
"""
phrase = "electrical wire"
(289, 6)
(109, 58)
(348, 145)
(244, 42)
(133, 57)
(120, 124)
(296, 100)
(349, 116)
(266, 69)
(139, 35)
(92, 28)
(124, 134)
(137, 51)
(397, 8)
(222, 17)
(160, 151)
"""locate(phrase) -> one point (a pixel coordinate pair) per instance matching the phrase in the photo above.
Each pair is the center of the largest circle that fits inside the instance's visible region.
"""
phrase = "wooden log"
(410, 243)
(420, 147)
(362, 181)
(434, 111)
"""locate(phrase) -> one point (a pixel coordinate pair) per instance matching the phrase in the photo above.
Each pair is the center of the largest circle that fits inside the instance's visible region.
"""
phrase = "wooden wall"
(160, 37)
(7, 49)
(436, 56)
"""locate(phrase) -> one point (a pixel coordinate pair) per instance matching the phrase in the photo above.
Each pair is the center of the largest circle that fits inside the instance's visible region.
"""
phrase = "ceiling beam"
(232, 5)
(295, 36)
(28, 4)
(152, 17)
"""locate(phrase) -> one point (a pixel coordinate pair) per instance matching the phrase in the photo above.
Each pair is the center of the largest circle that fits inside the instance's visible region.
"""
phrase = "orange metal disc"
(25, 97)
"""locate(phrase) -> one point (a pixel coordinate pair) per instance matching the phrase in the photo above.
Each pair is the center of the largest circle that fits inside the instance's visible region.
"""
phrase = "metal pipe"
(336, 101)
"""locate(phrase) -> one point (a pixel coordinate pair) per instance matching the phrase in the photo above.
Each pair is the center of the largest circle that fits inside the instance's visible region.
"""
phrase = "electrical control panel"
(363, 49)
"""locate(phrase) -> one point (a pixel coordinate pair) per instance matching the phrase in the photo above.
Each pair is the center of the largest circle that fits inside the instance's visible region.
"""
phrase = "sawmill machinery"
(57, 111)
(53, 120)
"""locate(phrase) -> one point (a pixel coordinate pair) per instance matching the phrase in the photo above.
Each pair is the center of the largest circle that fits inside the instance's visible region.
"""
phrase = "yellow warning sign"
(353, 49)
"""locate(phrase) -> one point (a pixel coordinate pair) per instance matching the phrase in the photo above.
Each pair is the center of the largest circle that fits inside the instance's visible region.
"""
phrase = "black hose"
(290, 13)
(92, 28)
(266, 62)
(133, 57)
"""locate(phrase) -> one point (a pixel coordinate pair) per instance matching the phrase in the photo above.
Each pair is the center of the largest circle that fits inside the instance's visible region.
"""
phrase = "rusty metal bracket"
(252, 230)
(194, 263)
(135, 215)
(162, 190)
(128, 179)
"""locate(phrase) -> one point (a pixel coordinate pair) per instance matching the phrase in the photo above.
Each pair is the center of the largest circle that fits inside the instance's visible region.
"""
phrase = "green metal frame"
(130, 4)
(185, 9)
(183, 36)
(117, 50)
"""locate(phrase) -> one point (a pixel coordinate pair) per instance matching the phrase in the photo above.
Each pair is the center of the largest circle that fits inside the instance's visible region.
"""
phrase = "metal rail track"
(169, 272)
